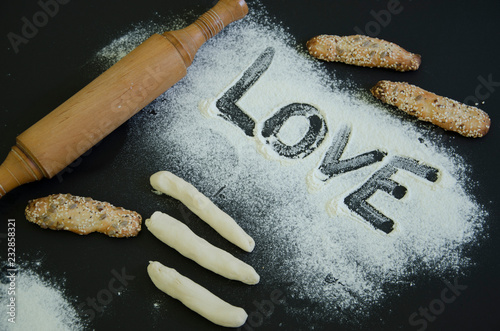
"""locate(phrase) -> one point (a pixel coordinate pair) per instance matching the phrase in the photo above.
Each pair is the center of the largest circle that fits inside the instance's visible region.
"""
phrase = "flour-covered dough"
(178, 236)
(176, 187)
(196, 297)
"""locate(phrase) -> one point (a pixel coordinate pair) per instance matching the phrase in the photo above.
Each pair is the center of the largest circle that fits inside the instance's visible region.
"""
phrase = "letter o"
(108, 297)
(83, 146)
(311, 140)
(40, 19)
(440, 307)
(255, 323)
(372, 29)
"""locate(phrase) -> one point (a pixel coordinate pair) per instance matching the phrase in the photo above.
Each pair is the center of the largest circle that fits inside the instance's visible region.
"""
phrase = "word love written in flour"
(313, 136)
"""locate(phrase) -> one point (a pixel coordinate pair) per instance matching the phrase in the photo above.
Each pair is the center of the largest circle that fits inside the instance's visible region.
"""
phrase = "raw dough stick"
(178, 236)
(83, 216)
(363, 51)
(446, 113)
(168, 183)
(196, 297)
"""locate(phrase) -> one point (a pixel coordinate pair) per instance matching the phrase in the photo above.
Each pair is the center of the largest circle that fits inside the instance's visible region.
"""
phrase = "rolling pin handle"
(16, 170)
(134, 81)
(224, 12)
(188, 40)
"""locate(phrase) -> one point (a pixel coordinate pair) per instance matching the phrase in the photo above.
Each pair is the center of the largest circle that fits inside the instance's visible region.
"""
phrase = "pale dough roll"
(196, 297)
(178, 236)
(176, 187)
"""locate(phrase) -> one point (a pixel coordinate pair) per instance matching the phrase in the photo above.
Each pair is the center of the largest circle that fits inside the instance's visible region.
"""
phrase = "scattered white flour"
(121, 46)
(40, 304)
(308, 242)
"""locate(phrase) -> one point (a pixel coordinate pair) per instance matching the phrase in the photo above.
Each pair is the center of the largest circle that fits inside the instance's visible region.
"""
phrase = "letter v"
(332, 165)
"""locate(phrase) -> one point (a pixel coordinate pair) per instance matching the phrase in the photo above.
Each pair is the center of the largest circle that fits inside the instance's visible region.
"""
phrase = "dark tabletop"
(459, 41)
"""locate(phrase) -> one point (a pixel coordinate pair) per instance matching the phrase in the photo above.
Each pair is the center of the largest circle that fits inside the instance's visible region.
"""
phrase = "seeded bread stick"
(178, 236)
(363, 51)
(426, 106)
(83, 216)
(176, 187)
(196, 297)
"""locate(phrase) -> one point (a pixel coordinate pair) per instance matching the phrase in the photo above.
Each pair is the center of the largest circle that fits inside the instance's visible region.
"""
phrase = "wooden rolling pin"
(74, 127)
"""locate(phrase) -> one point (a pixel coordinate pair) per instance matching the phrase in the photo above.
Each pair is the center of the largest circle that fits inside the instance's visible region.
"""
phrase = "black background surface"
(459, 44)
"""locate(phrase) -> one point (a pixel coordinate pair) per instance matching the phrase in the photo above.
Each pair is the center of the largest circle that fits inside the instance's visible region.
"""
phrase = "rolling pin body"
(74, 127)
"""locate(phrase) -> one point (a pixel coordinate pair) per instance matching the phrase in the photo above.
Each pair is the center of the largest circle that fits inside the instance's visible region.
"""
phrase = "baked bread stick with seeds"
(426, 106)
(363, 51)
(83, 216)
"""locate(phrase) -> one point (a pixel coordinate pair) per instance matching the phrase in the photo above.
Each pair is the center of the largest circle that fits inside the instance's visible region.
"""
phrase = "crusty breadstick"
(196, 297)
(83, 216)
(166, 182)
(178, 236)
(363, 51)
(444, 112)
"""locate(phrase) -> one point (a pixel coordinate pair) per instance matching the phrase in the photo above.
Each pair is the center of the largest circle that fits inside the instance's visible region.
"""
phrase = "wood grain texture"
(107, 102)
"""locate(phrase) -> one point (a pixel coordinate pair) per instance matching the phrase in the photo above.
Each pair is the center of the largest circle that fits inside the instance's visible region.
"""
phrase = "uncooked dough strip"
(178, 236)
(196, 297)
(170, 184)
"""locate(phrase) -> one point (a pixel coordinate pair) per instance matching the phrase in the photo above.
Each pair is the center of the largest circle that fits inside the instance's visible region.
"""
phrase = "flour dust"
(36, 301)
(256, 118)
